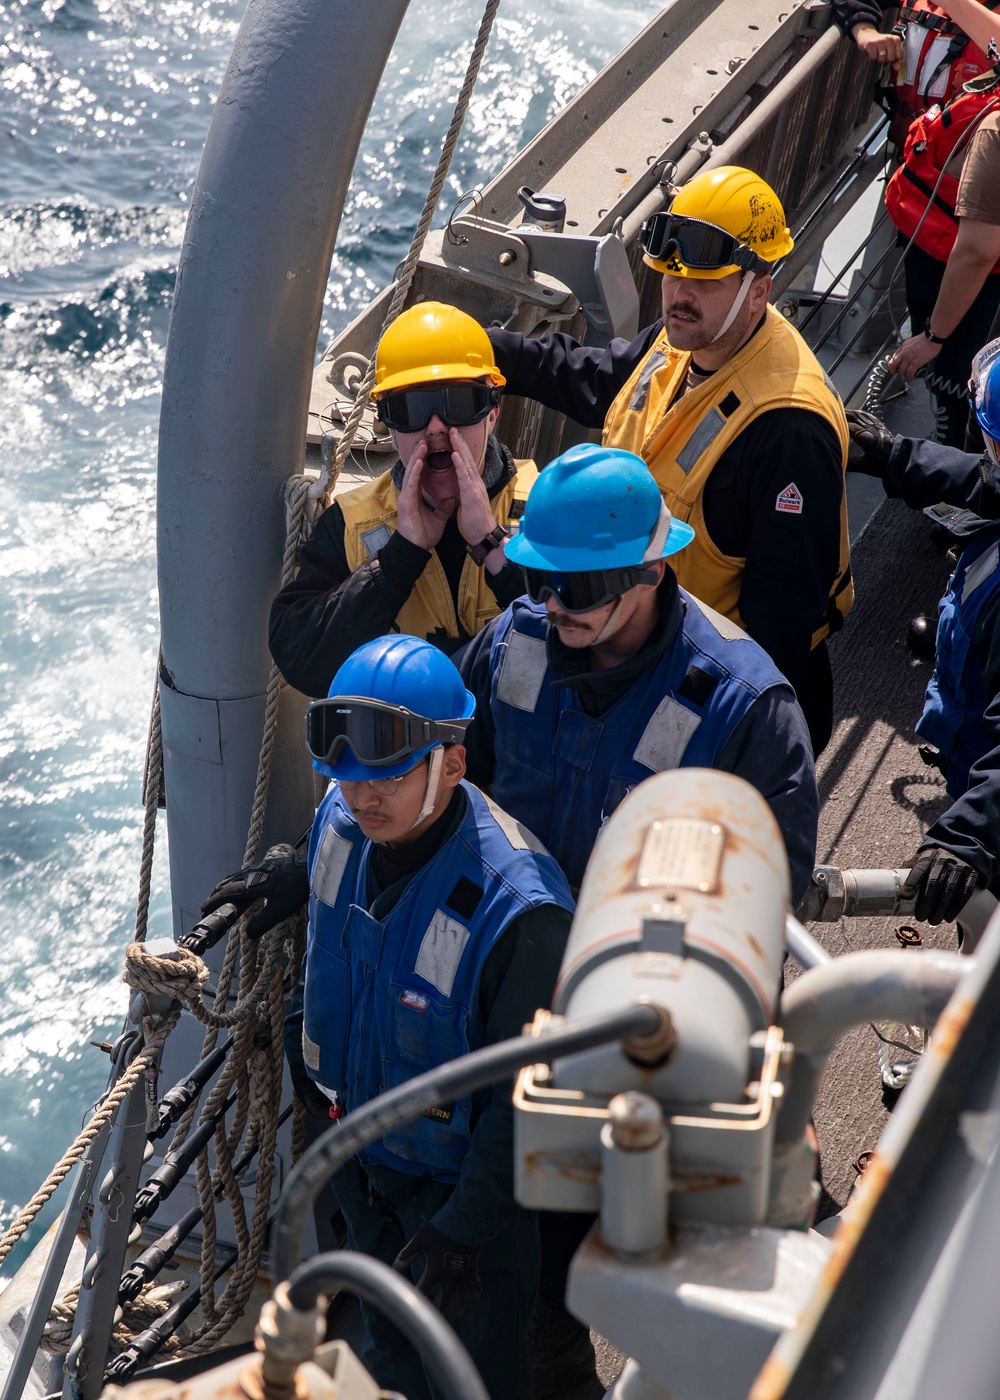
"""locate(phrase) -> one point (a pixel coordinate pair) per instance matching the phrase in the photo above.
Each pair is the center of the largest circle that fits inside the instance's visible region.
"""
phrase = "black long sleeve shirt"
(327, 611)
(792, 561)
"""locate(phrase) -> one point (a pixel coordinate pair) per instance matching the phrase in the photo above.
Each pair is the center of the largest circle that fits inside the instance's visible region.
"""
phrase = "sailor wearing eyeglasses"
(420, 548)
(735, 418)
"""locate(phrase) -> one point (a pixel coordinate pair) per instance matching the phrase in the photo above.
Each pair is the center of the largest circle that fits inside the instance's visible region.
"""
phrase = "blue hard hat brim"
(579, 560)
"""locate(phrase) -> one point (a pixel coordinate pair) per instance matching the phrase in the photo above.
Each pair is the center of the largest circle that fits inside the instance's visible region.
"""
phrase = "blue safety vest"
(387, 999)
(562, 773)
(956, 697)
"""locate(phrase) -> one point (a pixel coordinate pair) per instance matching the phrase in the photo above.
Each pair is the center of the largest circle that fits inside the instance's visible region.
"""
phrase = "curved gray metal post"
(240, 353)
(829, 999)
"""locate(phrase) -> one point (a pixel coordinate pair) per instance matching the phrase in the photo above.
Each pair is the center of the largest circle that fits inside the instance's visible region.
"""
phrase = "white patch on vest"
(980, 571)
(522, 671)
(310, 1051)
(709, 428)
(331, 862)
(375, 539)
(519, 836)
(666, 737)
(789, 501)
(441, 952)
(727, 629)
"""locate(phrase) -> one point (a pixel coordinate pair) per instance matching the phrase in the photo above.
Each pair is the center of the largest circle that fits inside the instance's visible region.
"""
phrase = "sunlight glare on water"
(103, 109)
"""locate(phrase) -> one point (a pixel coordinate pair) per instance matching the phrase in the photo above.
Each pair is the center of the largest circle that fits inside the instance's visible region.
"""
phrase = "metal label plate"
(681, 854)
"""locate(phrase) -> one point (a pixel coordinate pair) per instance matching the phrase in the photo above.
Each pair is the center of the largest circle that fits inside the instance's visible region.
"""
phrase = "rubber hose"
(441, 1351)
(437, 1086)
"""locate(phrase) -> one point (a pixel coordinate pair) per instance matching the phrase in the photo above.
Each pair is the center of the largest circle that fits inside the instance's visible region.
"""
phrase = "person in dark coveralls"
(419, 549)
(736, 420)
(437, 924)
(961, 717)
(606, 673)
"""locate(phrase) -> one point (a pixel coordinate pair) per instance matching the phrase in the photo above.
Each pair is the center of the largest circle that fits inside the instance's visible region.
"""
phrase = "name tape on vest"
(376, 539)
(441, 952)
(981, 570)
(522, 671)
(666, 736)
(331, 862)
(310, 1051)
(789, 501)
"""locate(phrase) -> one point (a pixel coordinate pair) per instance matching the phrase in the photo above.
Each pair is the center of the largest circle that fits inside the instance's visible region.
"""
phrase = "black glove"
(874, 440)
(942, 883)
(451, 1277)
(281, 879)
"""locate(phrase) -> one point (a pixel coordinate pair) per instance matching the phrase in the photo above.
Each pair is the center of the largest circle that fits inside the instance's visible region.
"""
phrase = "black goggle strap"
(663, 233)
(417, 732)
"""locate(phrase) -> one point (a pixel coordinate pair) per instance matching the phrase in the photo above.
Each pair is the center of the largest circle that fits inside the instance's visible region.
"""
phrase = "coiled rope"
(254, 1065)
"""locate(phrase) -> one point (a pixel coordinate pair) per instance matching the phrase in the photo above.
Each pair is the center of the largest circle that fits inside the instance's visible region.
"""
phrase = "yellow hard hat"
(730, 200)
(432, 342)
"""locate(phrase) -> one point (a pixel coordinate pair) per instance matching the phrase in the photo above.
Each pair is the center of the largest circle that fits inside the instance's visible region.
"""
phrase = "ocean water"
(104, 105)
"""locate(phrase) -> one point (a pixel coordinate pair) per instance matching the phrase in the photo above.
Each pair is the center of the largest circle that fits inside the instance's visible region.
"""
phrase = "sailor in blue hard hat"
(606, 673)
(960, 723)
(437, 924)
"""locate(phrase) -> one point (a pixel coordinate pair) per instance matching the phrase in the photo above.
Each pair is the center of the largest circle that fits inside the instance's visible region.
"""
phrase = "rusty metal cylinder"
(684, 904)
(635, 1175)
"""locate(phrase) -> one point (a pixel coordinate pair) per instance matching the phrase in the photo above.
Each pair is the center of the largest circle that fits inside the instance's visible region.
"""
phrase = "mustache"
(686, 310)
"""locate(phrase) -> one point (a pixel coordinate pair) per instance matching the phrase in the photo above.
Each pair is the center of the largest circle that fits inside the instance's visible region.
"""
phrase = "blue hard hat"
(403, 673)
(595, 508)
(985, 388)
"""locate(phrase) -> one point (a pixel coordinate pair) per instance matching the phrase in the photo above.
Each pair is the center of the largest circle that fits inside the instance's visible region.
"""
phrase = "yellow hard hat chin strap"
(736, 307)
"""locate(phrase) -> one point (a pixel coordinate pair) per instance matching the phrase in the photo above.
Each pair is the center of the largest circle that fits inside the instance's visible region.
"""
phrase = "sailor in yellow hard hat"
(735, 418)
(419, 549)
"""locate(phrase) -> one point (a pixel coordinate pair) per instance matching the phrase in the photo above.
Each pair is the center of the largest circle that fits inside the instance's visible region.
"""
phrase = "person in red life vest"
(929, 52)
(945, 199)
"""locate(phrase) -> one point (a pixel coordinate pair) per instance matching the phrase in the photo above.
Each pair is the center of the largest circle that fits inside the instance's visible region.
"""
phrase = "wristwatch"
(478, 552)
(934, 339)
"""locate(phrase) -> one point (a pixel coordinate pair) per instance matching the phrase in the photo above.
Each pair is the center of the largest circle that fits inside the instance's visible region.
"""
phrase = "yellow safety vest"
(370, 513)
(682, 443)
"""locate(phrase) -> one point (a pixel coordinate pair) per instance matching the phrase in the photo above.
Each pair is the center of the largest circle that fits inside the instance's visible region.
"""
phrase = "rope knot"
(178, 974)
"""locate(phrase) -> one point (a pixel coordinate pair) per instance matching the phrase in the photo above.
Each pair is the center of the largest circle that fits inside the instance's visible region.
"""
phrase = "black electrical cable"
(437, 1086)
(442, 1353)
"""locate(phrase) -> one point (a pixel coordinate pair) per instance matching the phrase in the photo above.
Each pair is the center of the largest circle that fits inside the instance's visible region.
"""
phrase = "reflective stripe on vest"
(682, 440)
(920, 200)
(956, 697)
(563, 772)
(387, 999)
(370, 514)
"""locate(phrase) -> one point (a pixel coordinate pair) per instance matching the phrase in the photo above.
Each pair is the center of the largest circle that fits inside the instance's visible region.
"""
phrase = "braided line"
(322, 490)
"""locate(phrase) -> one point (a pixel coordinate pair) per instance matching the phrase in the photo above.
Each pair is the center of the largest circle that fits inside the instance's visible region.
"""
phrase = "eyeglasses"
(584, 592)
(697, 244)
(376, 733)
(385, 787)
(457, 405)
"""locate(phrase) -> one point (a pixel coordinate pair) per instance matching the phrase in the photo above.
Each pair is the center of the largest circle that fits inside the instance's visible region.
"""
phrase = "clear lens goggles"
(375, 733)
(583, 593)
(698, 245)
(457, 405)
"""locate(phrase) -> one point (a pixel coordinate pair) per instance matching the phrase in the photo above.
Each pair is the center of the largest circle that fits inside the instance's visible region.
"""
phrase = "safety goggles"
(698, 245)
(582, 593)
(457, 405)
(376, 733)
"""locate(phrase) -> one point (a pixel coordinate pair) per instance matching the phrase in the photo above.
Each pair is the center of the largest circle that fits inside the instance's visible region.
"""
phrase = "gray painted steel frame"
(253, 270)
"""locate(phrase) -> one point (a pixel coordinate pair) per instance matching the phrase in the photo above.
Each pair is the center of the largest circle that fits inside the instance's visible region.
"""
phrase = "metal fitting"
(656, 1049)
(285, 1338)
(636, 1121)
